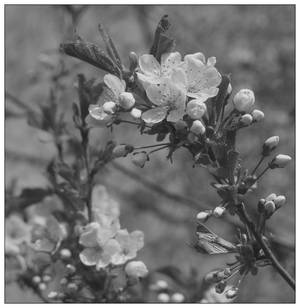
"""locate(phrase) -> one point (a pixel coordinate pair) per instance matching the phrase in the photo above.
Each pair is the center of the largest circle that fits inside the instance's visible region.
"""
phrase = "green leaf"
(91, 54)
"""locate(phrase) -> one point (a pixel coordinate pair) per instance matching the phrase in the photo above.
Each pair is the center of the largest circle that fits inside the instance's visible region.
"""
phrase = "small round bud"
(203, 216)
(42, 286)
(126, 100)
(136, 269)
(229, 89)
(270, 144)
(122, 150)
(47, 278)
(219, 211)
(71, 269)
(271, 197)
(161, 284)
(198, 128)
(139, 159)
(52, 295)
(231, 293)
(270, 207)
(36, 279)
(72, 287)
(261, 205)
(136, 113)
(244, 100)
(163, 297)
(63, 281)
(195, 109)
(280, 161)
(177, 298)
(65, 254)
(246, 119)
(257, 115)
(109, 107)
(279, 201)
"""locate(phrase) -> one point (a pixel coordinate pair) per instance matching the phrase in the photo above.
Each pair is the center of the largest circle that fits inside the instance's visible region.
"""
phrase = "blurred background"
(256, 44)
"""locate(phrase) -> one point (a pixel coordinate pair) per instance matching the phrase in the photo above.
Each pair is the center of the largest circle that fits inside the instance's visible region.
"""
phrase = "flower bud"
(126, 100)
(161, 284)
(203, 216)
(269, 145)
(271, 197)
(270, 207)
(63, 281)
(163, 297)
(65, 254)
(280, 161)
(139, 159)
(42, 286)
(246, 119)
(261, 205)
(36, 279)
(198, 128)
(177, 298)
(71, 269)
(219, 211)
(136, 113)
(257, 115)
(122, 150)
(180, 125)
(244, 100)
(133, 59)
(279, 201)
(72, 287)
(52, 295)
(109, 107)
(47, 278)
(136, 269)
(195, 109)
(231, 293)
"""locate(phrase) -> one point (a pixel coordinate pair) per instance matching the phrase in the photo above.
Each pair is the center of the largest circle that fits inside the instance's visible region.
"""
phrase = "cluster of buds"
(165, 294)
(270, 204)
(42, 281)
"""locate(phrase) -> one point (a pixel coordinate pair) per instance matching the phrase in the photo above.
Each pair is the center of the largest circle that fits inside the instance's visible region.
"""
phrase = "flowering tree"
(184, 102)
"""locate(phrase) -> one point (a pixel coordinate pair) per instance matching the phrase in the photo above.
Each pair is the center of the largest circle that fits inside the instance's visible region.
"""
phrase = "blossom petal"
(116, 85)
(90, 256)
(160, 94)
(110, 249)
(179, 78)
(155, 115)
(147, 80)
(175, 115)
(89, 237)
(149, 65)
(211, 61)
(138, 237)
(195, 56)
(169, 61)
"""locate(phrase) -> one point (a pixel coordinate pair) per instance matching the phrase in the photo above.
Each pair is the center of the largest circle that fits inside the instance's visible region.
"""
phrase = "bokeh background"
(256, 44)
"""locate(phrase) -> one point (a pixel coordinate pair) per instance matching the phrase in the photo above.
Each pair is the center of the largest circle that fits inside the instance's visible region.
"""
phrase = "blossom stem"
(266, 249)
(161, 148)
(151, 146)
(263, 172)
(258, 164)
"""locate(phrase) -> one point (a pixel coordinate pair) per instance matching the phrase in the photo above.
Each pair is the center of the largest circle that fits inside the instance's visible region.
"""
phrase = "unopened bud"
(203, 216)
(42, 286)
(271, 197)
(195, 109)
(65, 254)
(52, 295)
(246, 119)
(126, 100)
(71, 269)
(177, 298)
(47, 278)
(133, 59)
(279, 201)
(231, 293)
(269, 145)
(280, 161)
(260, 205)
(198, 128)
(122, 150)
(72, 287)
(136, 113)
(63, 281)
(229, 89)
(109, 107)
(219, 211)
(257, 115)
(270, 207)
(163, 297)
(139, 159)
(136, 269)
(244, 100)
(36, 279)
(161, 284)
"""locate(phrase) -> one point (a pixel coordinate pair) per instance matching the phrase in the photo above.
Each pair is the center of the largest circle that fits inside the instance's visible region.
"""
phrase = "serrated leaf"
(209, 242)
(91, 54)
